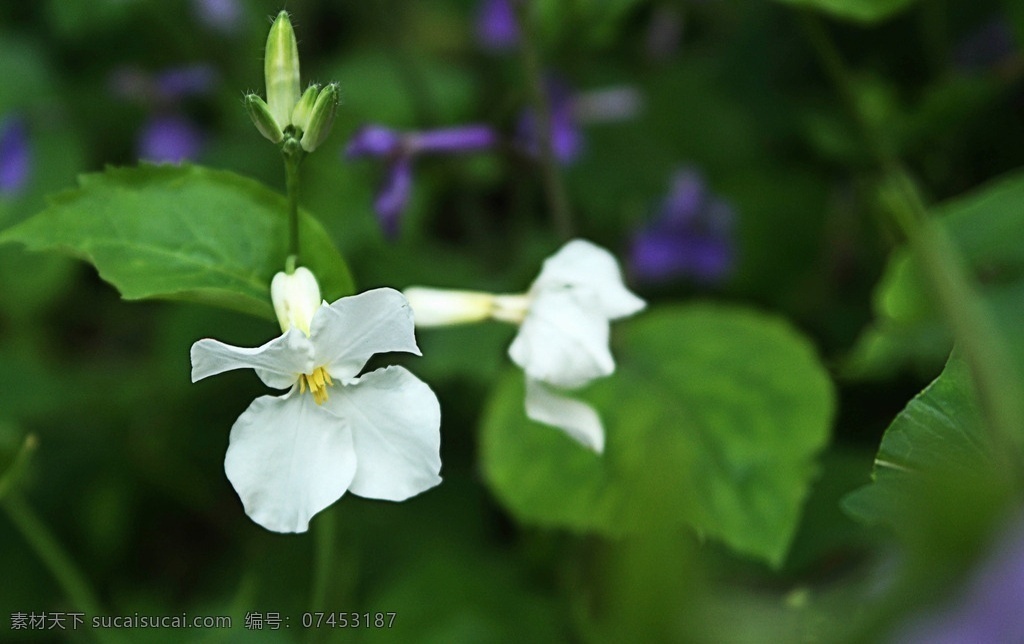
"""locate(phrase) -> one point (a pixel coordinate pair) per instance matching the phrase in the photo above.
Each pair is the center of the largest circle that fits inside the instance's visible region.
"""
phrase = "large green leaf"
(713, 419)
(865, 11)
(940, 430)
(941, 480)
(185, 233)
(940, 457)
(987, 226)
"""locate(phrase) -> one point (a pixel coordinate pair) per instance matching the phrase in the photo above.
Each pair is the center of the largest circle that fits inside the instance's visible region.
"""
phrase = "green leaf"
(182, 233)
(941, 429)
(939, 479)
(865, 11)
(986, 226)
(713, 419)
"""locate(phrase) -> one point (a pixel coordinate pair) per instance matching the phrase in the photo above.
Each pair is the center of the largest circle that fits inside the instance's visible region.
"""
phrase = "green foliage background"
(737, 499)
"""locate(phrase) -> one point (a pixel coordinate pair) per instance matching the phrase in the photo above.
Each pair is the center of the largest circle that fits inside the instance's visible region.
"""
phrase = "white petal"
(278, 363)
(395, 420)
(583, 264)
(346, 333)
(577, 419)
(287, 460)
(564, 339)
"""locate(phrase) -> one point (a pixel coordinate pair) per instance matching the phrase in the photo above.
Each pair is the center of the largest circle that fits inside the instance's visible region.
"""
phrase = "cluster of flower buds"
(288, 113)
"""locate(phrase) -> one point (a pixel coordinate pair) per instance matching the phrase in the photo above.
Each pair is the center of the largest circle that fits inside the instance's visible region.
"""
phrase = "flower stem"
(984, 348)
(325, 533)
(292, 158)
(55, 558)
(554, 186)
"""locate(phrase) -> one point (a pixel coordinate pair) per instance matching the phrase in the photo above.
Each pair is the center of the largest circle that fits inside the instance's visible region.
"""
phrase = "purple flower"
(570, 110)
(990, 45)
(988, 609)
(165, 88)
(566, 138)
(400, 149)
(393, 195)
(169, 139)
(15, 155)
(168, 135)
(220, 15)
(689, 236)
(467, 138)
(664, 32)
(496, 25)
(374, 141)
(183, 82)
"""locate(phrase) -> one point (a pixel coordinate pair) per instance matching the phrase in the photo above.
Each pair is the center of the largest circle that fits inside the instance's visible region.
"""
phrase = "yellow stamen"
(318, 382)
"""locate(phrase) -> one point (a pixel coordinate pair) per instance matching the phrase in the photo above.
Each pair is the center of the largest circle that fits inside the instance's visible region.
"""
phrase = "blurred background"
(711, 126)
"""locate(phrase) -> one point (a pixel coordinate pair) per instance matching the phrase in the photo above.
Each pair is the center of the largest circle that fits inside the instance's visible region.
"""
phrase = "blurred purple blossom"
(399, 150)
(167, 87)
(15, 155)
(664, 32)
(183, 82)
(990, 45)
(566, 137)
(168, 135)
(467, 138)
(496, 25)
(374, 141)
(169, 139)
(393, 195)
(987, 609)
(570, 111)
(690, 235)
(220, 15)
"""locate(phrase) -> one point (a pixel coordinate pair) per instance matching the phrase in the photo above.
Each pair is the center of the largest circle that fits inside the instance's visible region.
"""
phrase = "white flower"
(376, 435)
(563, 335)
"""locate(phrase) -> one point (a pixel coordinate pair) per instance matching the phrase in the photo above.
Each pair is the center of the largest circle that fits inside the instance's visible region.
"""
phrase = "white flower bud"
(296, 298)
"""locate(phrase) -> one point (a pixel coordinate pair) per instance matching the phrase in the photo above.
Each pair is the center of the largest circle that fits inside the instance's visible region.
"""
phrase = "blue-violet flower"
(15, 155)
(399, 149)
(690, 236)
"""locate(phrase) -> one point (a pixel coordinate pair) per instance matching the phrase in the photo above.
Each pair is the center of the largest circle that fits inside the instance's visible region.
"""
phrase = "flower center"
(318, 382)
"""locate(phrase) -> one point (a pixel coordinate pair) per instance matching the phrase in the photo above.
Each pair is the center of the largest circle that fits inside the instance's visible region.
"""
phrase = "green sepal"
(263, 119)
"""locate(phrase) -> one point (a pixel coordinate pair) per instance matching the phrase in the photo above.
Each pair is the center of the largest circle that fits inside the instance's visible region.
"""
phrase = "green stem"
(554, 186)
(17, 468)
(325, 533)
(292, 158)
(55, 558)
(983, 346)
